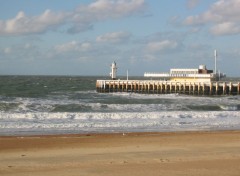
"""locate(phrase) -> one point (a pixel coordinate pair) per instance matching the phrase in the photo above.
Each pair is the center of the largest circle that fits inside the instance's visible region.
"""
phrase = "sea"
(48, 105)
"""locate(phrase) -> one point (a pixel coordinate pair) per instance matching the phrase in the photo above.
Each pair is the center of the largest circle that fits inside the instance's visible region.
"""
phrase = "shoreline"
(70, 133)
(212, 153)
(82, 133)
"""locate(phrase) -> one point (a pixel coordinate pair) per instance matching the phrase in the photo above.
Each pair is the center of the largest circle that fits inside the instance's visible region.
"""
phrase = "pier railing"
(168, 87)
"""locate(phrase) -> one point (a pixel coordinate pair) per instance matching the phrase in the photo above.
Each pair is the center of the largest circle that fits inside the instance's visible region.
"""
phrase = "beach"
(165, 153)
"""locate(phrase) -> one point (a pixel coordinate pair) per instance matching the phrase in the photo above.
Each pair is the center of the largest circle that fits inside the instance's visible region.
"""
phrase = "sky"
(83, 37)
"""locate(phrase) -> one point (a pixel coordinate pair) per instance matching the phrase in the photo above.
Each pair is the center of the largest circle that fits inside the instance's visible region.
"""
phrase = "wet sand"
(140, 154)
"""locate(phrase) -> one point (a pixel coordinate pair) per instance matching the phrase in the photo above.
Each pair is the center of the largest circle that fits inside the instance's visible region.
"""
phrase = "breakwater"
(168, 87)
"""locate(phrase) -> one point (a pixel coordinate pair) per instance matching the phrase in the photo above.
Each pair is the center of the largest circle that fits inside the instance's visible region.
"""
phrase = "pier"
(189, 81)
(169, 87)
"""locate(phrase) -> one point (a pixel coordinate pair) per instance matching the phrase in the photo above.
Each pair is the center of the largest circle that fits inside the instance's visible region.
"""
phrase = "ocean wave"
(24, 105)
(148, 121)
(230, 107)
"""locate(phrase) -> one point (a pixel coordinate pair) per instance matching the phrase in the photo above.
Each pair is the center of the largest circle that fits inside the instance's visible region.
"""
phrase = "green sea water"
(70, 104)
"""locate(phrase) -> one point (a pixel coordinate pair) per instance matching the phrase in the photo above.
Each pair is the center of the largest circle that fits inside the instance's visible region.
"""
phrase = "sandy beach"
(141, 154)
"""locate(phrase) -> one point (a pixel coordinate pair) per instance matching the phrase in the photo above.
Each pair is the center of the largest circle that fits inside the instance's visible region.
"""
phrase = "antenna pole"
(215, 55)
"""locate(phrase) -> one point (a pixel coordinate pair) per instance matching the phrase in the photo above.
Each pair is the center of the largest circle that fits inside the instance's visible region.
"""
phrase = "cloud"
(222, 16)
(161, 46)
(23, 24)
(79, 20)
(192, 3)
(100, 10)
(225, 28)
(7, 50)
(73, 46)
(114, 37)
(114, 9)
(81, 27)
(20, 52)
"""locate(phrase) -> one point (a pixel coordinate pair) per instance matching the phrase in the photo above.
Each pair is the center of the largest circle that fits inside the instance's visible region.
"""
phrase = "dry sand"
(140, 154)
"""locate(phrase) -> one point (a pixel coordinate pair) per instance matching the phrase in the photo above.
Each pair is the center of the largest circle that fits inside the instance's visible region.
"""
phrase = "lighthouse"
(113, 72)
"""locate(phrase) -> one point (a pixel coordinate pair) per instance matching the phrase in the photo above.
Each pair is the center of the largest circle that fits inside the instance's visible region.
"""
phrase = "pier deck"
(168, 87)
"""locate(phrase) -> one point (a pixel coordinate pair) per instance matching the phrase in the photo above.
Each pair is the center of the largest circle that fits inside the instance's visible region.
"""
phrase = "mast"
(215, 56)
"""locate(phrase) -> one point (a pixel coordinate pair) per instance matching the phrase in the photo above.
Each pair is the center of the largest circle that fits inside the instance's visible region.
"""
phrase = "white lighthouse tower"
(113, 72)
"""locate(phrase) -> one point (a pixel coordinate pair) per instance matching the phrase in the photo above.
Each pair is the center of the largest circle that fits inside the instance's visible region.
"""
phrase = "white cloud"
(73, 46)
(23, 24)
(226, 28)
(223, 16)
(161, 46)
(7, 50)
(114, 37)
(20, 52)
(115, 9)
(100, 10)
(81, 19)
(192, 3)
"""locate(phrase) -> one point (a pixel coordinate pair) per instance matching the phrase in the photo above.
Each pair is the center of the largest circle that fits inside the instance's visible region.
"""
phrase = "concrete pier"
(168, 87)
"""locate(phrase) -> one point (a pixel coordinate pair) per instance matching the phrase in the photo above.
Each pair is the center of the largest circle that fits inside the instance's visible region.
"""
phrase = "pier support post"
(118, 86)
(166, 87)
(216, 88)
(210, 91)
(153, 89)
(184, 88)
(175, 87)
(194, 88)
(203, 89)
(148, 87)
(180, 87)
(189, 88)
(139, 86)
(114, 87)
(161, 88)
(224, 88)
(158, 88)
(144, 87)
(198, 88)
(230, 88)
(135, 87)
(238, 88)
(170, 87)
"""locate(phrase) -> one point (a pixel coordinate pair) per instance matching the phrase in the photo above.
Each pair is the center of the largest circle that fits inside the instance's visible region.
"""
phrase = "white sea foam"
(230, 107)
(118, 112)
(148, 121)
